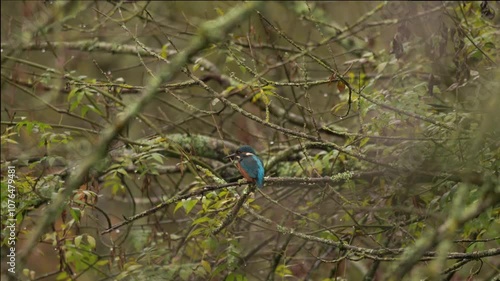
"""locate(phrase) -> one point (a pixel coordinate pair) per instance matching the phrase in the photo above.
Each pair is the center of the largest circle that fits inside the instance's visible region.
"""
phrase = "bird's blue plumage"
(254, 168)
(250, 165)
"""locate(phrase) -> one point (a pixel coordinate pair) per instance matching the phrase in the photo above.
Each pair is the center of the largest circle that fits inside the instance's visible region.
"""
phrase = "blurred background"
(397, 104)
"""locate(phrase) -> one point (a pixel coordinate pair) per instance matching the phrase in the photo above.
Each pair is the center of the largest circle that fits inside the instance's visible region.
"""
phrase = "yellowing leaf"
(164, 51)
(351, 76)
(219, 11)
(206, 266)
(340, 86)
(338, 106)
(362, 78)
(26, 272)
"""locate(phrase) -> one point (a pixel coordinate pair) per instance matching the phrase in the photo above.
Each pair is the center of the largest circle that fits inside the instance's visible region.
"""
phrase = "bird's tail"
(260, 182)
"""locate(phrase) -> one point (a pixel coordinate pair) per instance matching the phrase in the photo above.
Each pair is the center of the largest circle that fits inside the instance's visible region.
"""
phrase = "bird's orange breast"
(244, 173)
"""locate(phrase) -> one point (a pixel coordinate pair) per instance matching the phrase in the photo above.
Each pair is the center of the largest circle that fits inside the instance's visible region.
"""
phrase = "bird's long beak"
(231, 155)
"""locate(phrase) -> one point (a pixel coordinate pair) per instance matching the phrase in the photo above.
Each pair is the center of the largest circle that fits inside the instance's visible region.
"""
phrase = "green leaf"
(489, 45)
(72, 93)
(88, 107)
(189, 205)
(185, 273)
(243, 69)
(75, 214)
(91, 241)
(221, 267)
(51, 161)
(179, 204)
(75, 101)
(102, 262)
(78, 240)
(122, 171)
(197, 232)
(363, 142)
(158, 157)
(231, 277)
(200, 220)
(283, 271)
(62, 276)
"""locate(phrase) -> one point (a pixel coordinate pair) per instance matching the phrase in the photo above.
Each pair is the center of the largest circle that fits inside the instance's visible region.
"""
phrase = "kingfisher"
(249, 164)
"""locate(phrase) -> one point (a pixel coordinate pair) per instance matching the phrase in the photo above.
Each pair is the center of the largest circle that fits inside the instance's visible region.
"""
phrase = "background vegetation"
(377, 123)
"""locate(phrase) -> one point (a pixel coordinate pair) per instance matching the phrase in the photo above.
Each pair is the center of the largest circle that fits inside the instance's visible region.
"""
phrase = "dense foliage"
(377, 123)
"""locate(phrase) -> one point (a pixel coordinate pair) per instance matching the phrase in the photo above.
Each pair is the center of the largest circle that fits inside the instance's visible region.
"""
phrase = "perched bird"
(249, 165)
